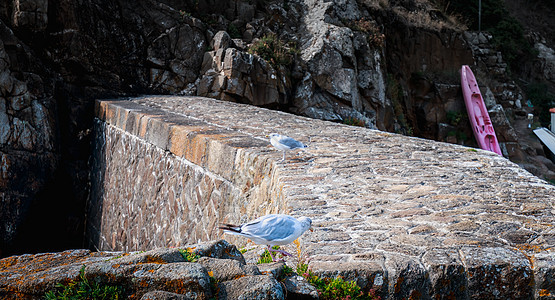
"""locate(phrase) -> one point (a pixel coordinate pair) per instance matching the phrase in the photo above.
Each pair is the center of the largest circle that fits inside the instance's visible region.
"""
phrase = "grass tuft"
(189, 255)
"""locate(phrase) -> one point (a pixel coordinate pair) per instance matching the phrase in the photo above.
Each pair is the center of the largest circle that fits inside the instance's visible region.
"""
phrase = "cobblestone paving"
(403, 215)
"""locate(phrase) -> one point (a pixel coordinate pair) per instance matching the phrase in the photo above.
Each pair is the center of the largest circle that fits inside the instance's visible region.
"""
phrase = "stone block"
(158, 132)
(407, 278)
(221, 158)
(163, 295)
(227, 269)
(447, 274)
(544, 275)
(368, 274)
(251, 287)
(497, 272)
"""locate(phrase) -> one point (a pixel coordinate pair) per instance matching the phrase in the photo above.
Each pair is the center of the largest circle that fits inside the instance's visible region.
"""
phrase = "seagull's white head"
(306, 223)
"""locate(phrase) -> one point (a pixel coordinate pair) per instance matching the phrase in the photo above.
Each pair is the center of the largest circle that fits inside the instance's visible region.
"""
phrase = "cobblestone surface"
(403, 215)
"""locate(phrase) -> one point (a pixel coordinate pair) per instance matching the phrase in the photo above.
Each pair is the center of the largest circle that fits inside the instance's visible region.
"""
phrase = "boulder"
(260, 287)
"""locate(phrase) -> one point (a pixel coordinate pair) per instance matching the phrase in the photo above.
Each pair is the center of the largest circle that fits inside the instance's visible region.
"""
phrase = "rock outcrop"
(219, 271)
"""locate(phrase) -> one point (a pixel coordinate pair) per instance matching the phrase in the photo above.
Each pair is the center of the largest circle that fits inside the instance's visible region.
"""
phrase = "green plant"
(233, 31)
(331, 288)
(336, 288)
(266, 257)
(453, 117)
(84, 289)
(189, 255)
(287, 270)
(354, 122)
(374, 36)
(273, 50)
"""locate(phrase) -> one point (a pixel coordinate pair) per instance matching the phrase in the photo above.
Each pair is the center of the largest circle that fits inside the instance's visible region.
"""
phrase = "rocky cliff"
(390, 65)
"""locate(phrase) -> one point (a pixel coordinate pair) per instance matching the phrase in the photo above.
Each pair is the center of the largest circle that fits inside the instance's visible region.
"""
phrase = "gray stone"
(275, 268)
(5, 125)
(501, 272)
(406, 277)
(257, 287)
(298, 288)
(364, 273)
(221, 41)
(218, 249)
(162, 255)
(446, 274)
(162, 295)
(227, 269)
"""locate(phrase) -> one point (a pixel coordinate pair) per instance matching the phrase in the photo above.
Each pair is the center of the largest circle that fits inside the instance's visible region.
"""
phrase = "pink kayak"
(477, 112)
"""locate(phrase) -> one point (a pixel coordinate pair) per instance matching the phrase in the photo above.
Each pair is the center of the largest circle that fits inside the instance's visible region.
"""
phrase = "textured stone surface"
(260, 287)
(227, 269)
(298, 288)
(161, 295)
(403, 216)
(157, 274)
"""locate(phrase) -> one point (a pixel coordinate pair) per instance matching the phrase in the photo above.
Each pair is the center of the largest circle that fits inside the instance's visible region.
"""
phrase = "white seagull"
(271, 230)
(285, 143)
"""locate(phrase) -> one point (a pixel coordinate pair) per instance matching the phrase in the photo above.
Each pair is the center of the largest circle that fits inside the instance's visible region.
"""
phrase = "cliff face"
(390, 65)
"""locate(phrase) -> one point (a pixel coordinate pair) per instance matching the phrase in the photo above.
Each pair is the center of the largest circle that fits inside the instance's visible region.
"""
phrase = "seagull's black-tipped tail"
(230, 228)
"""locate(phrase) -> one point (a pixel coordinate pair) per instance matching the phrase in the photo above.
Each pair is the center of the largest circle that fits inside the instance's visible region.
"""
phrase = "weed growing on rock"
(233, 31)
(189, 255)
(287, 271)
(354, 122)
(374, 37)
(336, 288)
(84, 289)
(266, 258)
(453, 118)
(331, 288)
(273, 50)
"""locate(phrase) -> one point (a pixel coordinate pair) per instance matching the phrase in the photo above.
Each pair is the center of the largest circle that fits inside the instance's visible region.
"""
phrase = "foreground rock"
(155, 274)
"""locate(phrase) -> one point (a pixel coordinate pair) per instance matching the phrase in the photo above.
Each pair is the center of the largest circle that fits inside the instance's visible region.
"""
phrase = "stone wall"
(407, 217)
(160, 179)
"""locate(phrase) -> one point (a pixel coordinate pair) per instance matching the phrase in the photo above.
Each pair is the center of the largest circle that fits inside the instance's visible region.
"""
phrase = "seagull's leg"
(283, 156)
(283, 252)
(270, 250)
(280, 251)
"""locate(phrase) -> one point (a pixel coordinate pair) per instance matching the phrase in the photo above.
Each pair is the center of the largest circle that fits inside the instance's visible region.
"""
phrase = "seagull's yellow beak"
(267, 135)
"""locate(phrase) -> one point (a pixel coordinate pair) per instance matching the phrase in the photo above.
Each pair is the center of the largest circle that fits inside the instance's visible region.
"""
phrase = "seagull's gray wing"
(291, 143)
(271, 228)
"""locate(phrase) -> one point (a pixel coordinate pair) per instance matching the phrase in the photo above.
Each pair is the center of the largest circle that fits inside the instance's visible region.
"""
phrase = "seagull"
(285, 143)
(271, 230)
